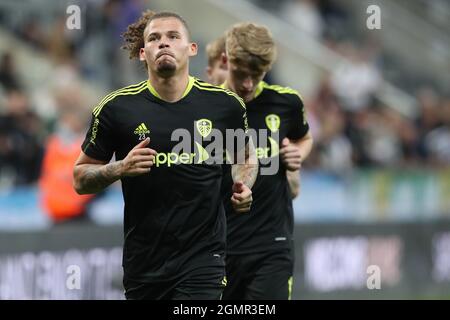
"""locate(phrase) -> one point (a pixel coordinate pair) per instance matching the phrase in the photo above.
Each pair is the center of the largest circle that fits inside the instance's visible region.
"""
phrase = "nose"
(163, 42)
(163, 45)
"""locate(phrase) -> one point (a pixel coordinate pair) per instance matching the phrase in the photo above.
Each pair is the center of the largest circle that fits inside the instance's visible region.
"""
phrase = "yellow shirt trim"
(185, 93)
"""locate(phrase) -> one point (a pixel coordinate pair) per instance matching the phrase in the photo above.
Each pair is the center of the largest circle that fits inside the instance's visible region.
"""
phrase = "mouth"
(164, 53)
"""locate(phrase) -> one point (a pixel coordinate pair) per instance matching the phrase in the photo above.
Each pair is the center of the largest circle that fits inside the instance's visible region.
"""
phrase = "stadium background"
(375, 190)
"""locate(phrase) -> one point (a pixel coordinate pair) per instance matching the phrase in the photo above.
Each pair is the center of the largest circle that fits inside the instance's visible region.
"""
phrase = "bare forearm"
(93, 178)
(305, 146)
(245, 173)
(293, 178)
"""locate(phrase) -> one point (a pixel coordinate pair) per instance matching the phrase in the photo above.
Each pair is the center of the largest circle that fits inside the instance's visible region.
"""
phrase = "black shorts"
(259, 276)
(199, 284)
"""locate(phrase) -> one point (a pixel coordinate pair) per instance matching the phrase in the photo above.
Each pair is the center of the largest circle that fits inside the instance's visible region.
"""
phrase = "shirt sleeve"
(299, 124)
(99, 141)
(238, 121)
(240, 115)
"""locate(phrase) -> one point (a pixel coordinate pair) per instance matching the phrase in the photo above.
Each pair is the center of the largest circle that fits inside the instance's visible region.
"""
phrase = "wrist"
(118, 170)
(292, 167)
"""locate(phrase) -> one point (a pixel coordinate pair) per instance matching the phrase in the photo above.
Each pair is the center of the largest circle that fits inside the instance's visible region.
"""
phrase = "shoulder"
(287, 93)
(218, 91)
(113, 96)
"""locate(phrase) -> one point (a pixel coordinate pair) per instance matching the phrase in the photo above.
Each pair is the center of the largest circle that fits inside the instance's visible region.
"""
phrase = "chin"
(246, 96)
(166, 69)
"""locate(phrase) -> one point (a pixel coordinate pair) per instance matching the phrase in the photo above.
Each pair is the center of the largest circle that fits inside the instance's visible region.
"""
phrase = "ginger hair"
(251, 45)
(215, 49)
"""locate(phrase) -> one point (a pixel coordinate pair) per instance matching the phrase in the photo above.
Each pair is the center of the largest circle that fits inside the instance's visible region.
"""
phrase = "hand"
(290, 155)
(139, 160)
(241, 198)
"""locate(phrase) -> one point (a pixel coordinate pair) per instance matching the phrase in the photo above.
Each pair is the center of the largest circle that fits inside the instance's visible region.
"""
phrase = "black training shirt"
(269, 224)
(173, 217)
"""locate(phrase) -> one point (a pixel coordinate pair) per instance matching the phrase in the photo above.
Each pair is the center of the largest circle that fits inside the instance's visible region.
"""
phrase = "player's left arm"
(297, 146)
(293, 179)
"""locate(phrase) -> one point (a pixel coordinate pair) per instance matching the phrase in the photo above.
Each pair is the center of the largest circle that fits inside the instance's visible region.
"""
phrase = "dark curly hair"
(134, 36)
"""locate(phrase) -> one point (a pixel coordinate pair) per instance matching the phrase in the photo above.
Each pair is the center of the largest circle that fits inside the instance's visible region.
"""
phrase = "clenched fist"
(241, 198)
(290, 155)
(139, 160)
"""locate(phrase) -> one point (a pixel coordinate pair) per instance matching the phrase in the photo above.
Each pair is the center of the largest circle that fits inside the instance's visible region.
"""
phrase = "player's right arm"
(245, 169)
(91, 175)
(93, 171)
(244, 177)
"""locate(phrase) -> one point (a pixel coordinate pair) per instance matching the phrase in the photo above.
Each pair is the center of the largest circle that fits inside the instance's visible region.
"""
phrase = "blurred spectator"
(58, 198)
(305, 15)
(60, 45)
(356, 80)
(328, 122)
(437, 141)
(357, 132)
(20, 146)
(335, 19)
(31, 32)
(118, 15)
(383, 143)
(428, 118)
(408, 134)
(8, 73)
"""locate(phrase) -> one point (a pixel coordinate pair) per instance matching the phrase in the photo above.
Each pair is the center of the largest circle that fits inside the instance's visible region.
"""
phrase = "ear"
(141, 54)
(224, 60)
(223, 65)
(193, 48)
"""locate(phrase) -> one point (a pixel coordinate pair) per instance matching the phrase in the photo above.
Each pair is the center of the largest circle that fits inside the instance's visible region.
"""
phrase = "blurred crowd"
(352, 129)
(42, 125)
(375, 136)
(28, 119)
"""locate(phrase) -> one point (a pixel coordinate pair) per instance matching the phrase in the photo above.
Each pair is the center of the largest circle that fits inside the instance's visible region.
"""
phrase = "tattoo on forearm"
(246, 173)
(95, 178)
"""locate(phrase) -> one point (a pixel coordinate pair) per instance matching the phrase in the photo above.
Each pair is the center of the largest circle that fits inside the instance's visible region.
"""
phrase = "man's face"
(167, 47)
(243, 80)
(217, 73)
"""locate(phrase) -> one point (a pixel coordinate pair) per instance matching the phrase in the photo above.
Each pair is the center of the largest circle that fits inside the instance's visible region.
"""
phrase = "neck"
(170, 89)
(226, 84)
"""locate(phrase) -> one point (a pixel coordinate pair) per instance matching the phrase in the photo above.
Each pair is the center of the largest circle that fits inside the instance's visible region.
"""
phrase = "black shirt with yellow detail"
(174, 219)
(269, 224)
